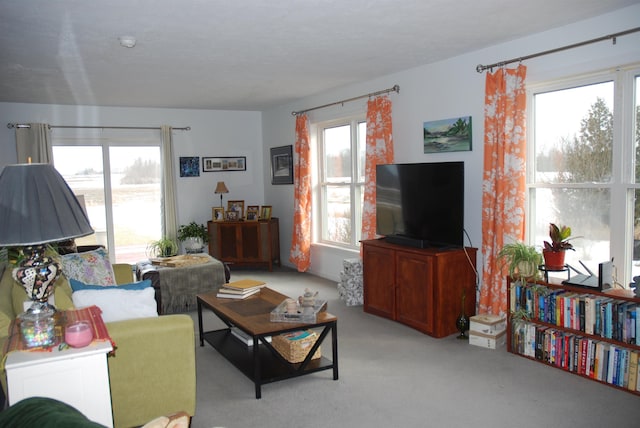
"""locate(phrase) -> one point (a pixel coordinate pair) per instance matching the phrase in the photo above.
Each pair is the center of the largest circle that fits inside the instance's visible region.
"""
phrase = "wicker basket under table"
(295, 348)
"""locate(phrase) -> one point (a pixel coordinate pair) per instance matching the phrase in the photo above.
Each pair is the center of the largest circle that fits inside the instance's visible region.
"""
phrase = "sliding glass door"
(119, 183)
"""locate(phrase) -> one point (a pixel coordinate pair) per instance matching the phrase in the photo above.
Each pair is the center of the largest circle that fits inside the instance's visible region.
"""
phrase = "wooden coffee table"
(261, 362)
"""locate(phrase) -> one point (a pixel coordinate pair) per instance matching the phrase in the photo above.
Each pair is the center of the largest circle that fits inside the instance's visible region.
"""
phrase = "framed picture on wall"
(282, 165)
(230, 163)
(447, 135)
(189, 166)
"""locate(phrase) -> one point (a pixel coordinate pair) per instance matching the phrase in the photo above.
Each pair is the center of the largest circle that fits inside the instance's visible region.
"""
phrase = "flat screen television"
(421, 204)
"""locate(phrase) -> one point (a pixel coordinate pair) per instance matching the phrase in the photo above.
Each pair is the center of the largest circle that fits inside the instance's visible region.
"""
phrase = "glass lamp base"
(37, 325)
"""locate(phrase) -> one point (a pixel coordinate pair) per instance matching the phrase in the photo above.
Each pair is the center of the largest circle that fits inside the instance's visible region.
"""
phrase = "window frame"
(622, 185)
(320, 183)
(88, 138)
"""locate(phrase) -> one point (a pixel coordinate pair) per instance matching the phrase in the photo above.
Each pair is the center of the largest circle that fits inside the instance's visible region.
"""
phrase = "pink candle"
(78, 335)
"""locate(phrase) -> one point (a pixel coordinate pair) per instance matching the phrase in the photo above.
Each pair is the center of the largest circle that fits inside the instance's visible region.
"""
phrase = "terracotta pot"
(553, 259)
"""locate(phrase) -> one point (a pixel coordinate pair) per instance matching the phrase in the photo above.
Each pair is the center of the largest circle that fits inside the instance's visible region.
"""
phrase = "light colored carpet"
(394, 376)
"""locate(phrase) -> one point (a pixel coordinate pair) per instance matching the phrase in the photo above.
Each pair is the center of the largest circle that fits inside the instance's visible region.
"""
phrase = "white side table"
(78, 377)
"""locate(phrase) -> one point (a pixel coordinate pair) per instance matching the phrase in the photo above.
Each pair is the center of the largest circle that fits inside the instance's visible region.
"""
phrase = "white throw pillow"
(118, 305)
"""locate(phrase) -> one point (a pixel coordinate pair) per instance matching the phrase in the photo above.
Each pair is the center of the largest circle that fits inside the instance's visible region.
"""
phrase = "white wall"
(441, 90)
(213, 133)
(448, 89)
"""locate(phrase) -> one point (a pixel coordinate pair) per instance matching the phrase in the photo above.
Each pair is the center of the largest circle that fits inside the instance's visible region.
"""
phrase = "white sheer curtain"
(34, 143)
(169, 216)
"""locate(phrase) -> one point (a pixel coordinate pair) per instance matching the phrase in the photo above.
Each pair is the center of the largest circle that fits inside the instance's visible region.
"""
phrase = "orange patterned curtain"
(379, 150)
(301, 241)
(503, 197)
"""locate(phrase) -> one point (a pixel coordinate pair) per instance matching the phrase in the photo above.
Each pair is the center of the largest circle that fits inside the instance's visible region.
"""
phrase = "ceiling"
(245, 54)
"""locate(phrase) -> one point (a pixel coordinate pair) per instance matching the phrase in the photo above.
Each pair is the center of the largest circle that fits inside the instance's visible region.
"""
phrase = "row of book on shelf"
(240, 289)
(595, 315)
(603, 361)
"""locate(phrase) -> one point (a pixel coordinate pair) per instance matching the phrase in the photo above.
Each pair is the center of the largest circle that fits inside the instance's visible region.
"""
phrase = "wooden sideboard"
(245, 243)
(421, 288)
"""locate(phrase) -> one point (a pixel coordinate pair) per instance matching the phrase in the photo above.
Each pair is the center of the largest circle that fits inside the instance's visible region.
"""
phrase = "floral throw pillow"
(91, 267)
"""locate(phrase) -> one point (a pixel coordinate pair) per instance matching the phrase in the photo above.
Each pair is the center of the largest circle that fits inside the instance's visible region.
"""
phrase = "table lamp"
(37, 207)
(221, 188)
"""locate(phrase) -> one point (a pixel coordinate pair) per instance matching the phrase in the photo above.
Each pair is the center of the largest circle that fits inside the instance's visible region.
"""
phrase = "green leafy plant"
(192, 230)
(560, 236)
(163, 247)
(521, 260)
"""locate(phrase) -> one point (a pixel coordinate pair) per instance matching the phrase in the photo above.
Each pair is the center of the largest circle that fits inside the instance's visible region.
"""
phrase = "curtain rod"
(24, 125)
(395, 88)
(480, 68)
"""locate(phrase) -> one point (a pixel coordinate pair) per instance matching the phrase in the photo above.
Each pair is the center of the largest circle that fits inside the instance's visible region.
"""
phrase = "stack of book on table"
(240, 289)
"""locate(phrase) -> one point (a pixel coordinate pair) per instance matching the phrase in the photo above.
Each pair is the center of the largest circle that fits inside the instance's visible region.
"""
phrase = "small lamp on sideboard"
(221, 188)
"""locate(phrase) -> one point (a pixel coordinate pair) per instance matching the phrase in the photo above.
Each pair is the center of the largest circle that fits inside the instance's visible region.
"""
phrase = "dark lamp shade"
(37, 207)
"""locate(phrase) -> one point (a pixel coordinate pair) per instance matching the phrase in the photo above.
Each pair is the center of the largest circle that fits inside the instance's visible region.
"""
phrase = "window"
(119, 183)
(341, 156)
(584, 168)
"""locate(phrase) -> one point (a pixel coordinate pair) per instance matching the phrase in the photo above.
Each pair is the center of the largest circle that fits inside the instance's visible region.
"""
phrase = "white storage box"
(490, 341)
(488, 324)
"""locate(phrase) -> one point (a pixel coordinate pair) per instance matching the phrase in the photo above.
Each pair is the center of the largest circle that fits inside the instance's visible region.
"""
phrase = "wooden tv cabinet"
(245, 243)
(421, 288)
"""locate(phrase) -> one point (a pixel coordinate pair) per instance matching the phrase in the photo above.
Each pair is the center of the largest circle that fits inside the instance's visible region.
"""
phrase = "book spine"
(598, 318)
(635, 386)
(592, 355)
(612, 367)
(608, 322)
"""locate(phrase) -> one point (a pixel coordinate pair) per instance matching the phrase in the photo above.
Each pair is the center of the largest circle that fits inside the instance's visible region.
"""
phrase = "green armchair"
(153, 370)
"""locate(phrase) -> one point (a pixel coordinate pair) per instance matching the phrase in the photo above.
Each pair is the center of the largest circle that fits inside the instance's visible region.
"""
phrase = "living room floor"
(392, 375)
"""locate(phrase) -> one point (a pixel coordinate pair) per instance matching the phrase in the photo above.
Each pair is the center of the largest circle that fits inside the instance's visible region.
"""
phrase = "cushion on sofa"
(119, 304)
(91, 267)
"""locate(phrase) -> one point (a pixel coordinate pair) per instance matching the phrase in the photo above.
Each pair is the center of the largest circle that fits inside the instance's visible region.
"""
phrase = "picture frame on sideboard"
(253, 213)
(237, 206)
(217, 214)
(265, 212)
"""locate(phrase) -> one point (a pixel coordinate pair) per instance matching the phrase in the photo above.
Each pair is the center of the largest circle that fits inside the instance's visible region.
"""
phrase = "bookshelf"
(582, 331)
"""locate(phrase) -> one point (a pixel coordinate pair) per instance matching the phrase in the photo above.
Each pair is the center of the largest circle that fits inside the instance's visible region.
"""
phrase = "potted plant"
(522, 260)
(193, 236)
(163, 247)
(554, 250)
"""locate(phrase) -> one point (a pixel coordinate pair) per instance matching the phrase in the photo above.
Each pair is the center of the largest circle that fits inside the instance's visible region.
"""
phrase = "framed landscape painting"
(447, 135)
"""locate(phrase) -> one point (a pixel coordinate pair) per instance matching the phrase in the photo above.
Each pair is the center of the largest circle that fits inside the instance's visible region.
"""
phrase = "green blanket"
(44, 413)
